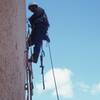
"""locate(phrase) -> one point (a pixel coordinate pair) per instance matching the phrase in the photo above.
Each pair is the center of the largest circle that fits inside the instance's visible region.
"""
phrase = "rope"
(53, 73)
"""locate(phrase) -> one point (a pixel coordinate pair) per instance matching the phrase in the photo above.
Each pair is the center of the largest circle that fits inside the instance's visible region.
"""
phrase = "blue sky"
(75, 45)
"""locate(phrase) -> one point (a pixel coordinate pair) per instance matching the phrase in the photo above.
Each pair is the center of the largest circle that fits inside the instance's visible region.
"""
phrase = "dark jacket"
(39, 24)
(39, 18)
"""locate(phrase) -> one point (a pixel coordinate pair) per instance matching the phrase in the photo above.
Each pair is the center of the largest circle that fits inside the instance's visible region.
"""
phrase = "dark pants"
(36, 38)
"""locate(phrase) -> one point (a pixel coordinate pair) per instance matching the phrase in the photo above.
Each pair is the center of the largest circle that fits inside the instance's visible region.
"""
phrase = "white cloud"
(64, 82)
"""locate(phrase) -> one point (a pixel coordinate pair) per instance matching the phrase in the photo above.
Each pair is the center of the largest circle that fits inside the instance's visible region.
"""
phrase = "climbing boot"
(34, 58)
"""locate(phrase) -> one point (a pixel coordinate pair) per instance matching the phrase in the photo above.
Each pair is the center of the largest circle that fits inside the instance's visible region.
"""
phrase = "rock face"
(12, 46)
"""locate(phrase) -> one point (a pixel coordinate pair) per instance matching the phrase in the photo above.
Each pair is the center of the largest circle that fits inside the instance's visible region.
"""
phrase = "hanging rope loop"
(29, 72)
(42, 66)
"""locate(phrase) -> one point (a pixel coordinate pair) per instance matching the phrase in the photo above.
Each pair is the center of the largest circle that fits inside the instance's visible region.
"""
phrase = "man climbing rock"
(39, 25)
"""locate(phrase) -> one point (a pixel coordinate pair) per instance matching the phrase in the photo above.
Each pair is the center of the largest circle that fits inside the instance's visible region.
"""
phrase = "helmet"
(32, 6)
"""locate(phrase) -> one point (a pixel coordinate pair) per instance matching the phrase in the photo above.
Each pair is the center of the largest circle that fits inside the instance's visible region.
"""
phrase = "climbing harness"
(29, 73)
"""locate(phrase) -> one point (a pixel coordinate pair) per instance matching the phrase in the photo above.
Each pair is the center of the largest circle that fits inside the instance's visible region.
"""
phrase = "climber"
(39, 25)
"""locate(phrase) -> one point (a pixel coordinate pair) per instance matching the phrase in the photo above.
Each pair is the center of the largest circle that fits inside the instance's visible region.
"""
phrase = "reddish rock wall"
(12, 46)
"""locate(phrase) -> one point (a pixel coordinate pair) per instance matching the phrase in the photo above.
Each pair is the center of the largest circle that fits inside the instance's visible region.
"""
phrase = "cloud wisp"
(91, 89)
(64, 83)
(95, 89)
